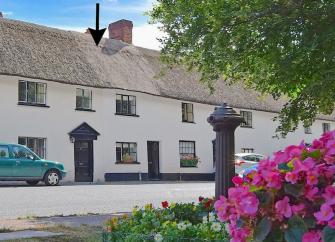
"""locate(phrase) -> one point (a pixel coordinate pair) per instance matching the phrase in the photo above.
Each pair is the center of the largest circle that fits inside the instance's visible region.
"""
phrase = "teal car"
(18, 163)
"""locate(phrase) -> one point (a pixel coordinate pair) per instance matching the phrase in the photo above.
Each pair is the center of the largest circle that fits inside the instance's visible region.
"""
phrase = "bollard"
(224, 120)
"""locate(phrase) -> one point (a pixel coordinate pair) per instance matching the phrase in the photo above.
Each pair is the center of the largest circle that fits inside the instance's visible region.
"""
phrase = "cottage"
(115, 112)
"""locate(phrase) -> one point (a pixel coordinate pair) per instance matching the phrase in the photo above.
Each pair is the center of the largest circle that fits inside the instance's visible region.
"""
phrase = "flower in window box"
(126, 158)
(189, 161)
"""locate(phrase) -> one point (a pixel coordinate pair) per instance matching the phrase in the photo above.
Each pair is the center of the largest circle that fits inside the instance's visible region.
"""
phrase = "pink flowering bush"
(290, 197)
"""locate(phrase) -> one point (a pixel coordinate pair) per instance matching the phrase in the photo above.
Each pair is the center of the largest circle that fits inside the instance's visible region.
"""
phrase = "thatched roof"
(35, 51)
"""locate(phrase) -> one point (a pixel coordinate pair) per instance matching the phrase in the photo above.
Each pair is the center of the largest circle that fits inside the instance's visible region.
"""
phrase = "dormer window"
(125, 105)
(33, 93)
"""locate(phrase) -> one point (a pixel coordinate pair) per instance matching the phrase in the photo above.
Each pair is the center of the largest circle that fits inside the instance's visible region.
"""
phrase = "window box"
(189, 162)
(127, 163)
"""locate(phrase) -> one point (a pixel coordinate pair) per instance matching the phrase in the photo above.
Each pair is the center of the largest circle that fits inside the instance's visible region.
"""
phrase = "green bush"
(175, 222)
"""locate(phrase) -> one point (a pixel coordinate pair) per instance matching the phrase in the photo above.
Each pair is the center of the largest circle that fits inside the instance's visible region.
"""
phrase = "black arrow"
(97, 33)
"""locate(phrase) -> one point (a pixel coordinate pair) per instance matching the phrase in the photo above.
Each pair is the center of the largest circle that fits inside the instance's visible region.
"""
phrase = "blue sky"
(80, 14)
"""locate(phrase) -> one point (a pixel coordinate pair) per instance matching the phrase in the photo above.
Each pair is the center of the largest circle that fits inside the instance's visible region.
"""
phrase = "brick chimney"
(121, 30)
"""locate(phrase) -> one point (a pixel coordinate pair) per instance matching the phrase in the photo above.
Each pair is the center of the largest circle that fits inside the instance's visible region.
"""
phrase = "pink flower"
(296, 209)
(273, 179)
(331, 224)
(249, 204)
(221, 207)
(291, 177)
(325, 214)
(238, 181)
(330, 160)
(283, 207)
(312, 236)
(238, 234)
(310, 193)
(257, 180)
(331, 147)
(312, 178)
(329, 195)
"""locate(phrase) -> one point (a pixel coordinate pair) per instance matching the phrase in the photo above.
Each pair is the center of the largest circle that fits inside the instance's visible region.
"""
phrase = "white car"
(246, 160)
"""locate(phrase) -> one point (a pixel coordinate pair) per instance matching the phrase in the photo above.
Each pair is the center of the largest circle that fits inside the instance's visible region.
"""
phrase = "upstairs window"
(32, 92)
(187, 112)
(247, 115)
(325, 127)
(38, 145)
(83, 99)
(126, 152)
(308, 130)
(125, 105)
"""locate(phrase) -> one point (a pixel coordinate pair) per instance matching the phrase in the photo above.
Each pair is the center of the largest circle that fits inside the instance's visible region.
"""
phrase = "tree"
(285, 48)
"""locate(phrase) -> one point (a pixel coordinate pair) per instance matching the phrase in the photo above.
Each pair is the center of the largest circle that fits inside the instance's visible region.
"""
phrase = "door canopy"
(84, 132)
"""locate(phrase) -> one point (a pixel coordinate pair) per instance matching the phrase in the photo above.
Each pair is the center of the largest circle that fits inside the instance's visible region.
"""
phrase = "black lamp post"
(224, 120)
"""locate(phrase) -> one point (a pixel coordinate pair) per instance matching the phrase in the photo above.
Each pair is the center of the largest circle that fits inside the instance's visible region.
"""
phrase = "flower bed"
(175, 222)
(290, 197)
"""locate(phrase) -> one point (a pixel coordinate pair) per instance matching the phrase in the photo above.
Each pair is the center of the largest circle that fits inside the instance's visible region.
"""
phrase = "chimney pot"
(121, 30)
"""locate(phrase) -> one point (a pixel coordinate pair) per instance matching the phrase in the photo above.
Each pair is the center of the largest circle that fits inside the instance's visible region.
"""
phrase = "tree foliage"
(285, 48)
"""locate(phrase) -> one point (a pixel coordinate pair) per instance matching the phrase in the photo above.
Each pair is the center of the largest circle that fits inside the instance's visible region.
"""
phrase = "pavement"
(25, 234)
(21, 201)
(76, 221)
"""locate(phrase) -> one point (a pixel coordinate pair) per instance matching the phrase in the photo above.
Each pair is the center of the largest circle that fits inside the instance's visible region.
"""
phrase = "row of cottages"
(115, 112)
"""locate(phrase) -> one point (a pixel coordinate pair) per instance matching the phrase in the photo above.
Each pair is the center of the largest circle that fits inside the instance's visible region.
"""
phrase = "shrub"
(175, 222)
(290, 197)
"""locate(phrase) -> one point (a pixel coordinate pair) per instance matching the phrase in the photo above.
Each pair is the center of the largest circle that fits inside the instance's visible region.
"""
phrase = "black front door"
(83, 159)
(153, 159)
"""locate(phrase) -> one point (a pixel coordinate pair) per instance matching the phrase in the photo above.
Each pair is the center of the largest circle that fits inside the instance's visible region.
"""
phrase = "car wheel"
(51, 178)
(32, 183)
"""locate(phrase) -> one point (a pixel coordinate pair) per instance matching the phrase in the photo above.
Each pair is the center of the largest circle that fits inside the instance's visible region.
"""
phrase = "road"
(23, 201)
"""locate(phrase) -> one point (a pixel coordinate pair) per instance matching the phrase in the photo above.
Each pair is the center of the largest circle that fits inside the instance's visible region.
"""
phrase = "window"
(83, 99)
(187, 154)
(325, 127)
(126, 152)
(308, 130)
(247, 150)
(187, 112)
(32, 92)
(247, 115)
(125, 104)
(38, 145)
(4, 153)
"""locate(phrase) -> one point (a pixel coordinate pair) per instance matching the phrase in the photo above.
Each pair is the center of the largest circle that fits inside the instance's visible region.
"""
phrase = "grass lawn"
(71, 234)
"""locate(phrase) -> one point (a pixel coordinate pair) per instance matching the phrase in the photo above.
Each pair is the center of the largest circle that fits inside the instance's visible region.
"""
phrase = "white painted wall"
(159, 120)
